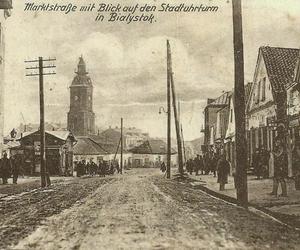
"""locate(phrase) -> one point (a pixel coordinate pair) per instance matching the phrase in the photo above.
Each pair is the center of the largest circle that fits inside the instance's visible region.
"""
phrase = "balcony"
(5, 4)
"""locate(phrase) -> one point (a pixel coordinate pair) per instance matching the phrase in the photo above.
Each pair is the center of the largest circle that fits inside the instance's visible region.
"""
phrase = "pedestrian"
(118, 167)
(201, 164)
(223, 169)
(93, 168)
(5, 168)
(264, 163)
(112, 169)
(80, 168)
(15, 167)
(256, 163)
(196, 165)
(213, 164)
(280, 168)
(206, 162)
(190, 166)
(89, 167)
(163, 167)
(296, 164)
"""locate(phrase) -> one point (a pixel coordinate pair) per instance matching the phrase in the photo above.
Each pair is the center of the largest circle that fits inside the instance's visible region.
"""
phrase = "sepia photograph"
(149, 124)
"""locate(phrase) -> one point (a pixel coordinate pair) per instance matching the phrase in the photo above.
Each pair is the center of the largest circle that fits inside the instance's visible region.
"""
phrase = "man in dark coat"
(264, 162)
(280, 167)
(223, 169)
(256, 163)
(80, 169)
(197, 165)
(15, 167)
(163, 167)
(213, 164)
(5, 168)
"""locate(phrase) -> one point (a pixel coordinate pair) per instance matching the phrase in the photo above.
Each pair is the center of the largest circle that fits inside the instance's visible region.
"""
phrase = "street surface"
(138, 210)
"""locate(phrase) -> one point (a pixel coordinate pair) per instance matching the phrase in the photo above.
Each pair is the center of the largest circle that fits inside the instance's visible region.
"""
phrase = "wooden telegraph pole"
(169, 70)
(177, 126)
(45, 177)
(121, 164)
(239, 98)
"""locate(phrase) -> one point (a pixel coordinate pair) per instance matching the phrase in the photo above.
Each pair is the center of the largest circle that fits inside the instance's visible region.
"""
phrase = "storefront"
(59, 152)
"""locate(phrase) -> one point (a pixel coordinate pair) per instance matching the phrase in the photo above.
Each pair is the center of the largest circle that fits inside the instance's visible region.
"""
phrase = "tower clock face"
(76, 98)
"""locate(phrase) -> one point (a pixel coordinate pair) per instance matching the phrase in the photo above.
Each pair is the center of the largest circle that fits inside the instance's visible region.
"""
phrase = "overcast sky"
(127, 63)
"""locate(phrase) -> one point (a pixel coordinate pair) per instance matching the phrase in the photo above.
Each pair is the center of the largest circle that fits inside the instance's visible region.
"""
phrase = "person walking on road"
(15, 167)
(223, 169)
(163, 167)
(257, 163)
(5, 168)
(264, 161)
(196, 164)
(213, 164)
(280, 168)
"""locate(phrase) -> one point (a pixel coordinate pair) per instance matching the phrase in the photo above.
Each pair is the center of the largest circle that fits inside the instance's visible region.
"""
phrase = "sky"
(127, 62)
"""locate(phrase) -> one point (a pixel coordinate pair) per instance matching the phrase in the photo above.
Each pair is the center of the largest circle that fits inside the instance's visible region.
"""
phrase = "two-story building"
(267, 103)
(211, 117)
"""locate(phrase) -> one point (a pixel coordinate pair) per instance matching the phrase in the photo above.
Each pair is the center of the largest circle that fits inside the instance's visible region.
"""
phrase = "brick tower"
(81, 118)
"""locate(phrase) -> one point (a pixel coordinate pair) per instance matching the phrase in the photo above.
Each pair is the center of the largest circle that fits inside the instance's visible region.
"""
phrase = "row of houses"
(64, 150)
(272, 100)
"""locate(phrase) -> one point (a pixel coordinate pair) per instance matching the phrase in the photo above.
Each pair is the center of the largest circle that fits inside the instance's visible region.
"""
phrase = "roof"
(63, 135)
(280, 64)
(154, 146)
(86, 146)
(111, 135)
(107, 144)
(222, 99)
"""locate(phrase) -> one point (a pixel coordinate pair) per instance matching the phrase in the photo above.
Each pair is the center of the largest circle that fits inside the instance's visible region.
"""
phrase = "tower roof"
(81, 77)
(81, 67)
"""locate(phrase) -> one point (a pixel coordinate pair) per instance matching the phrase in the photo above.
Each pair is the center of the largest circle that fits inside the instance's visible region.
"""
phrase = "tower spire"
(81, 68)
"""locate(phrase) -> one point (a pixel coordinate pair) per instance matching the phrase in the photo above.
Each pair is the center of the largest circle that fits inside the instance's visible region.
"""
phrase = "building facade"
(81, 118)
(59, 152)
(211, 118)
(5, 12)
(151, 154)
(267, 105)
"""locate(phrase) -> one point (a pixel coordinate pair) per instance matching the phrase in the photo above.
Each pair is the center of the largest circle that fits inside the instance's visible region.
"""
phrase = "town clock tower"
(81, 118)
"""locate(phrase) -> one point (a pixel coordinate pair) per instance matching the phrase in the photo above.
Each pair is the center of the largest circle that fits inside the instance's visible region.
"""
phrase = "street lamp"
(162, 109)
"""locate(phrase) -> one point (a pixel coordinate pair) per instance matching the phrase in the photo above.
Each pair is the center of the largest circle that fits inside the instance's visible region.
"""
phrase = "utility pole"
(177, 126)
(121, 165)
(181, 134)
(45, 178)
(169, 72)
(239, 98)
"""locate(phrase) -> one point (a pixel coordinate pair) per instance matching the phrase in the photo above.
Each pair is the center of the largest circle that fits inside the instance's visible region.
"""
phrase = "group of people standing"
(9, 167)
(210, 164)
(91, 168)
(203, 165)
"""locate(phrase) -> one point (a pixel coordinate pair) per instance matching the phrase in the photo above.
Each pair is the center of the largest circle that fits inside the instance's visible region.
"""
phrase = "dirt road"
(141, 210)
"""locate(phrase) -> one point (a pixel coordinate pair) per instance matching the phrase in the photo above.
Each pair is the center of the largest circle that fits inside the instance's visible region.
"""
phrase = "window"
(263, 89)
(230, 115)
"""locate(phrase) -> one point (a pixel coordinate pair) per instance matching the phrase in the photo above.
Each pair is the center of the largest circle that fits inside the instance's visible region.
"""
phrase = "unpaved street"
(142, 210)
